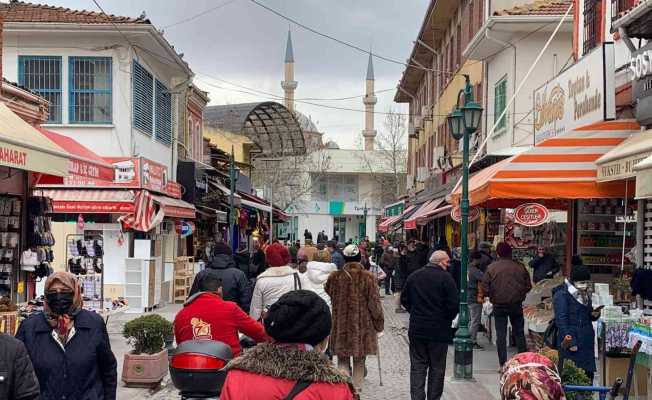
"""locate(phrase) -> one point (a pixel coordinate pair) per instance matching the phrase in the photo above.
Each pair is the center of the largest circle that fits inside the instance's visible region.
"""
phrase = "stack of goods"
(39, 238)
(85, 259)
(616, 327)
(641, 330)
(8, 316)
(601, 295)
(10, 210)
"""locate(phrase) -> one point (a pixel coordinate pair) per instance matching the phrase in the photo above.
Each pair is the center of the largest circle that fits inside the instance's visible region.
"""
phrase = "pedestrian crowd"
(306, 305)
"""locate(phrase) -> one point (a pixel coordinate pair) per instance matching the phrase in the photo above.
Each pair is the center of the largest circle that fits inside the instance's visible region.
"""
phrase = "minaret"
(369, 100)
(289, 84)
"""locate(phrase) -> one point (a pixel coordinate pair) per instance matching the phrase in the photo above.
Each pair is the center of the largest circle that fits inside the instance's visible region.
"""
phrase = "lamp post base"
(463, 355)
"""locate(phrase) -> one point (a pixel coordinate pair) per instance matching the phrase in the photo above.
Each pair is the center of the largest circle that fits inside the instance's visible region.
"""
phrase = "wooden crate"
(183, 277)
(9, 322)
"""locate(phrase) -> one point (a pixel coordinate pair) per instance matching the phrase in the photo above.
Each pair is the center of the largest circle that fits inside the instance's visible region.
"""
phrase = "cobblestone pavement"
(395, 362)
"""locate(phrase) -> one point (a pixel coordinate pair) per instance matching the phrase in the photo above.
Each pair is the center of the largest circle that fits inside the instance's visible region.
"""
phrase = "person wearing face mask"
(574, 315)
(69, 346)
(293, 365)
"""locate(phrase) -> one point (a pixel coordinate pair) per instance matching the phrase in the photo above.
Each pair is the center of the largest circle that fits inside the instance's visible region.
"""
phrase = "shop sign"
(581, 95)
(184, 228)
(640, 67)
(622, 168)
(456, 214)
(92, 207)
(531, 214)
(173, 189)
(629, 219)
(154, 176)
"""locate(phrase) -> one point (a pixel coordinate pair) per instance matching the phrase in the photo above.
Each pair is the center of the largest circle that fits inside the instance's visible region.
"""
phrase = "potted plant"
(147, 363)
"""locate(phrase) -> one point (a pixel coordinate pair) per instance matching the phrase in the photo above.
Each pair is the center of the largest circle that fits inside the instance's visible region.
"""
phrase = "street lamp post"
(463, 123)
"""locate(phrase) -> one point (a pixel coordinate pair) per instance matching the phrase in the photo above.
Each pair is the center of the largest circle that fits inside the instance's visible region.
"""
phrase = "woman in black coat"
(69, 346)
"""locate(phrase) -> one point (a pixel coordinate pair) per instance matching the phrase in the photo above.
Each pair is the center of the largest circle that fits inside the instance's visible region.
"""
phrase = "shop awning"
(175, 208)
(251, 201)
(90, 201)
(442, 211)
(619, 162)
(644, 179)
(392, 223)
(84, 167)
(562, 167)
(22, 146)
(423, 212)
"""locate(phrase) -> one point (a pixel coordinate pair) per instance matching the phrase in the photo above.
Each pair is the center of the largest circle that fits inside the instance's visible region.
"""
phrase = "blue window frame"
(143, 99)
(42, 75)
(163, 116)
(90, 95)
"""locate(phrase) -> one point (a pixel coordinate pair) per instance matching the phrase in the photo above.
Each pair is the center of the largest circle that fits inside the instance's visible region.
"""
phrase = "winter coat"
(475, 280)
(258, 264)
(455, 270)
(270, 371)
(506, 282)
(431, 298)
(387, 262)
(357, 311)
(272, 284)
(307, 253)
(544, 267)
(17, 378)
(400, 273)
(235, 285)
(574, 318)
(337, 258)
(485, 261)
(206, 316)
(318, 273)
(414, 260)
(85, 370)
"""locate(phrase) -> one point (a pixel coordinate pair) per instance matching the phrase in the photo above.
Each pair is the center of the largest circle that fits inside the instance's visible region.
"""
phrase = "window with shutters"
(163, 114)
(143, 99)
(500, 102)
(90, 96)
(42, 75)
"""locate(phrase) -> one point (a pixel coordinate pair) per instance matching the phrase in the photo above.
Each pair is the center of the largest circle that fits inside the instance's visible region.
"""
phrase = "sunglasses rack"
(85, 259)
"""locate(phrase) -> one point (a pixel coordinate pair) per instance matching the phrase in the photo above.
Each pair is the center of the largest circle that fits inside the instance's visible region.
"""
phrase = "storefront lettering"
(587, 103)
(15, 157)
(549, 109)
(641, 65)
(531, 214)
(622, 168)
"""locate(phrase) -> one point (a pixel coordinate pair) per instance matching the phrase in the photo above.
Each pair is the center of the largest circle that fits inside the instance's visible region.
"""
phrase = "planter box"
(144, 369)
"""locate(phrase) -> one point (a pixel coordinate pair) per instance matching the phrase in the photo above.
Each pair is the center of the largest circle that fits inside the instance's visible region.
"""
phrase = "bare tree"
(387, 164)
(291, 178)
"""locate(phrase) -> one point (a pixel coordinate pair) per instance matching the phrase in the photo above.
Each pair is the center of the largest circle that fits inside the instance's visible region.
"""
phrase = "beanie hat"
(222, 248)
(277, 255)
(300, 316)
(351, 253)
(580, 273)
(504, 250)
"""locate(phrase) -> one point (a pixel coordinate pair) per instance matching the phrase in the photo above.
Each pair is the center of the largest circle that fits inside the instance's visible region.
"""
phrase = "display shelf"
(607, 233)
(608, 265)
(600, 247)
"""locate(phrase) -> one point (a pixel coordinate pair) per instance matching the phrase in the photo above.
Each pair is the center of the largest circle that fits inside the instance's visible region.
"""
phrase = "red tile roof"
(18, 11)
(539, 7)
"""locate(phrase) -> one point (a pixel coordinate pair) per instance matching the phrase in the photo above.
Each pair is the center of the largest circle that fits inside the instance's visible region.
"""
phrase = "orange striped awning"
(423, 211)
(562, 167)
(389, 224)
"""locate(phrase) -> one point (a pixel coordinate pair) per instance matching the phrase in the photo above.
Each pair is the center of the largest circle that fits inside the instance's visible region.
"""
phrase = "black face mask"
(60, 303)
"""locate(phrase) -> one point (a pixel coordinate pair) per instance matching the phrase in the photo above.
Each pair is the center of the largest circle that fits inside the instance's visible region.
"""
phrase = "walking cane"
(380, 371)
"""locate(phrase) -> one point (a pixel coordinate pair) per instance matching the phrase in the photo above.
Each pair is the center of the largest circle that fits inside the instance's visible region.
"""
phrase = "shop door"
(339, 229)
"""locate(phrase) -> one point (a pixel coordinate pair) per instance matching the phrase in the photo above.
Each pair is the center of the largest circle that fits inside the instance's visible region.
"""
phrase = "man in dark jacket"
(414, 259)
(336, 254)
(431, 298)
(235, 285)
(485, 256)
(475, 302)
(17, 378)
(258, 261)
(507, 283)
(544, 266)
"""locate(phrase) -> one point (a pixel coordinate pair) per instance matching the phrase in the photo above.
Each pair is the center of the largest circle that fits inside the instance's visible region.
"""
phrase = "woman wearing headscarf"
(69, 346)
(530, 376)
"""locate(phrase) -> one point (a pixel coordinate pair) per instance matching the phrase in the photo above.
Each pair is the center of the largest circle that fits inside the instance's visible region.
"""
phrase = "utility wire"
(200, 14)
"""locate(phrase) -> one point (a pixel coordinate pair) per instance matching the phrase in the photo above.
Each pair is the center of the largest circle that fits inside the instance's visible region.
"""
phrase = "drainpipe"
(180, 90)
(506, 44)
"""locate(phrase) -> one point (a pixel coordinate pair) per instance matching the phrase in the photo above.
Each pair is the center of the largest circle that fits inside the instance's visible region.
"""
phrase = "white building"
(114, 83)
(509, 41)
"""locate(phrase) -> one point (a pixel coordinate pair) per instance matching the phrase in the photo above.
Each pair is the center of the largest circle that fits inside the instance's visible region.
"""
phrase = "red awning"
(423, 212)
(84, 167)
(253, 201)
(389, 224)
(175, 208)
(90, 201)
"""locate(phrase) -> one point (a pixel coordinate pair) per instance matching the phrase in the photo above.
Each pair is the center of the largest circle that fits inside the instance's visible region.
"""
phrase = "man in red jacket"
(206, 316)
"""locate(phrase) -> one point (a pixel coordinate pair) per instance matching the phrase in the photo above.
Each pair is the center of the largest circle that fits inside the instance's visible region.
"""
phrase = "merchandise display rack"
(85, 259)
(184, 273)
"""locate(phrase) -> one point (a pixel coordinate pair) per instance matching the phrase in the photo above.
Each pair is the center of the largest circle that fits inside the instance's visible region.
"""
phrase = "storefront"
(25, 244)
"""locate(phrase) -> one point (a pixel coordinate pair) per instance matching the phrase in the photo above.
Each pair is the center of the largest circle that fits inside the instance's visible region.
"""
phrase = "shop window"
(42, 75)
(592, 22)
(163, 114)
(500, 102)
(90, 97)
(142, 98)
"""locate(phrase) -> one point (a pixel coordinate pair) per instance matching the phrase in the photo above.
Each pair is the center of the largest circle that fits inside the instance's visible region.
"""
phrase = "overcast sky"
(245, 44)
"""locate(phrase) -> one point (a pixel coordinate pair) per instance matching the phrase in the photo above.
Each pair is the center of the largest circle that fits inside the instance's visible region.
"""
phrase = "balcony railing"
(621, 7)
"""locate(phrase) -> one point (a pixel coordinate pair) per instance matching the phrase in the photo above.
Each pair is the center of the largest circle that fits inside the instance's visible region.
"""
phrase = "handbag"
(551, 335)
(297, 281)
(29, 261)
